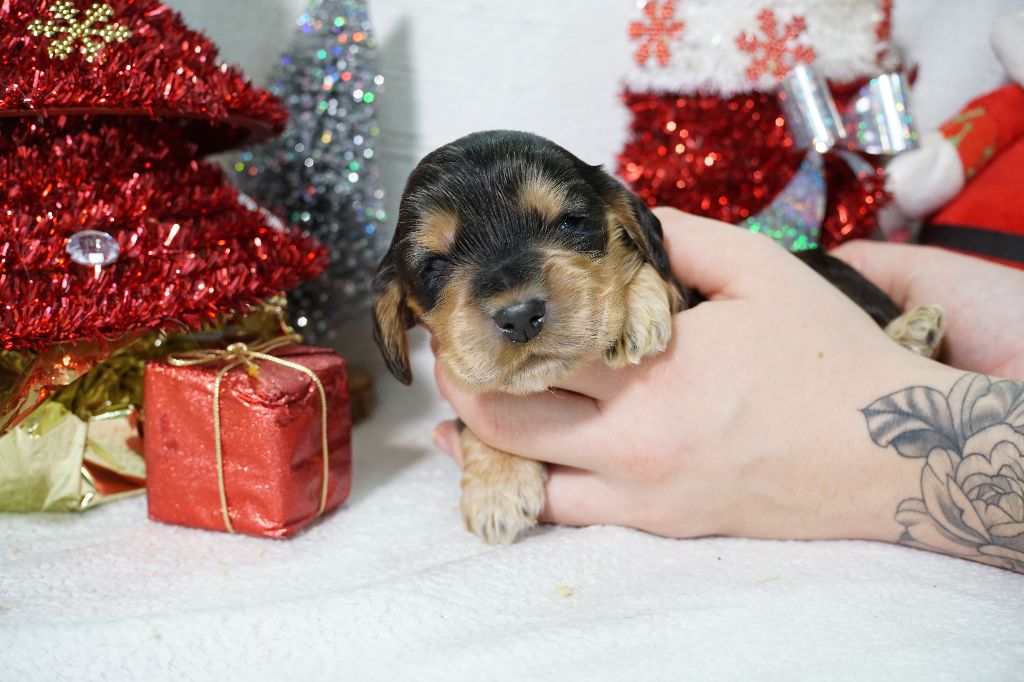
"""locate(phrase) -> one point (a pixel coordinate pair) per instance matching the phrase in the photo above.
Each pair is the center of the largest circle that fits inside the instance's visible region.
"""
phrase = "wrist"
(833, 481)
(963, 433)
(893, 413)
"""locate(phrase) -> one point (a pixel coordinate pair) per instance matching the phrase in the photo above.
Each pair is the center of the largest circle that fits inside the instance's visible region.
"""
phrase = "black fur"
(873, 300)
(651, 227)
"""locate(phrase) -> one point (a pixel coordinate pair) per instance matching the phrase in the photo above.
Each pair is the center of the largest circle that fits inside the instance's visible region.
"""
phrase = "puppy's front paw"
(648, 324)
(502, 495)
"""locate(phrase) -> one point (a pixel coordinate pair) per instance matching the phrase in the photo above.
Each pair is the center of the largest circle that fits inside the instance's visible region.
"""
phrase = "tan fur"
(648, 325)
(919, 330)
(417, 310)
(502, 495)
(389, 309)
(585, 313)
(436, 231)
(543, 196)
(616, 306)
(523, 293)
(622, 212)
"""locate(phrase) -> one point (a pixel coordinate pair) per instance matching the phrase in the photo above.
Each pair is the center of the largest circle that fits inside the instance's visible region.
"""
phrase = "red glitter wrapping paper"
(188, 249)
(727, 158)
(270, 429)
(156, 67)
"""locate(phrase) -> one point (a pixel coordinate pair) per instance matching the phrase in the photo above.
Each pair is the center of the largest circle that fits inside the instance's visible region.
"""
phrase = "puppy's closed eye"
(581, 233)
(432, 272)
(568, 224)
(434, 266)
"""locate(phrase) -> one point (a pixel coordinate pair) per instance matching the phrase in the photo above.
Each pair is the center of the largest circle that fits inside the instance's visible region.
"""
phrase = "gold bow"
(241, 354)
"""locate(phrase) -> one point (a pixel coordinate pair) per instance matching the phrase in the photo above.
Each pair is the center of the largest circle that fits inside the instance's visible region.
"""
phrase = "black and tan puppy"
(524, 262)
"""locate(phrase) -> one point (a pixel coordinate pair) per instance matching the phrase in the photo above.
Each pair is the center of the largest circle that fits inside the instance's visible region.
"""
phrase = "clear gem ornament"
(92, 247)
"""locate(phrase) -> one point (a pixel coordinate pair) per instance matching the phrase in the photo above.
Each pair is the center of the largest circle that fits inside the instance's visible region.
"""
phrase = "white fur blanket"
(391, 587)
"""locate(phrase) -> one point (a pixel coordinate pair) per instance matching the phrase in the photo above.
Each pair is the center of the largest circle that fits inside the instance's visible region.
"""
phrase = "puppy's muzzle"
(521, 321)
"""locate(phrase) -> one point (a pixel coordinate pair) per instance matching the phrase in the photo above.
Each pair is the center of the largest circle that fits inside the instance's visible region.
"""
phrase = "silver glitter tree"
(322, 173)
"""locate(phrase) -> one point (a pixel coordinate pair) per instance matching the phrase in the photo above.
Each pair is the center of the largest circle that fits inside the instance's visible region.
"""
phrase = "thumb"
(446, 438)
(722, 261)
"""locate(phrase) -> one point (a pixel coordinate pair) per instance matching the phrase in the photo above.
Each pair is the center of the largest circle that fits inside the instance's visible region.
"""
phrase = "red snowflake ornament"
(778, 55)
(657, 33)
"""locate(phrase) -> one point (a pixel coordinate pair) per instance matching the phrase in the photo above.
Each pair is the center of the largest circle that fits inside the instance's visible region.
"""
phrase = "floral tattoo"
(971, 441)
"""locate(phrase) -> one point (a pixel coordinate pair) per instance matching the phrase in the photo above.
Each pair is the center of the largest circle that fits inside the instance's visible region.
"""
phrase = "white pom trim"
(925, 179)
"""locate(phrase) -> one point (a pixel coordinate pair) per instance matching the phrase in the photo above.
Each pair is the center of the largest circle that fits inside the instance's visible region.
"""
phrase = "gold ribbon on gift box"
(238, 355)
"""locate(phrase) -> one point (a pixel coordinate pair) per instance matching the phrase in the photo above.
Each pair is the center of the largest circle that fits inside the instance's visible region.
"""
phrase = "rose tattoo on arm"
(971, 444)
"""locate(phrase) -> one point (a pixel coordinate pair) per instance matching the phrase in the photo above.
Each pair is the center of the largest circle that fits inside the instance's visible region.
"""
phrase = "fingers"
(916, 275)
(573, 497)
(555, 426)
(720, 260)
(446, 438)
(890, 267)
(595, 380)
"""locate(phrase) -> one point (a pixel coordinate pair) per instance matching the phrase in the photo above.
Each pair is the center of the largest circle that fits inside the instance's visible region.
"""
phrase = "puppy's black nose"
(520, 322)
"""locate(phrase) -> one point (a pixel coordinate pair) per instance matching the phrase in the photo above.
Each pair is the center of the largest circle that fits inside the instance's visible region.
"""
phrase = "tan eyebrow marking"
(436, 230)
(543, 195)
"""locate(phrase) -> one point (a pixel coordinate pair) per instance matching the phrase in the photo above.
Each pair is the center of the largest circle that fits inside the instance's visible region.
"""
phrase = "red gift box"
(271, 478)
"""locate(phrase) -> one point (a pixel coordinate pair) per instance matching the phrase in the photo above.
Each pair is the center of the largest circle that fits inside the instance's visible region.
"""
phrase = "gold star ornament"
(88, 35)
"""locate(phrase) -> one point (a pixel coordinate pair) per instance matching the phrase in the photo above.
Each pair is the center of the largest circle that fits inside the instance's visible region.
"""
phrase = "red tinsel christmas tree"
(105, 109)
(113, 228)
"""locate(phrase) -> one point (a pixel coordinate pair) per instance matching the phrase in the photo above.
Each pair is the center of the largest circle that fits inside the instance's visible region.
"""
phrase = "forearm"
(944, 468)
(916, 453)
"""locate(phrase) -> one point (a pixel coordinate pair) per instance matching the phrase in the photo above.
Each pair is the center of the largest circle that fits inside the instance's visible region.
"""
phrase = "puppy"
(524, 262)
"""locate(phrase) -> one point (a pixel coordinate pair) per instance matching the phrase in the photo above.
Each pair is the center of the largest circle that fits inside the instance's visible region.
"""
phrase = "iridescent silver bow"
(878, 121)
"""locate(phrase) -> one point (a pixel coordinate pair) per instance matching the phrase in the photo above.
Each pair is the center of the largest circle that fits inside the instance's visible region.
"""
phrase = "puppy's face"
(517, 256)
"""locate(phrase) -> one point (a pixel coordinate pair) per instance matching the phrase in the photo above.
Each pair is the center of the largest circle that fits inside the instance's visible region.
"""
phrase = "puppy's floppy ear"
(391, 318)
(643, 229)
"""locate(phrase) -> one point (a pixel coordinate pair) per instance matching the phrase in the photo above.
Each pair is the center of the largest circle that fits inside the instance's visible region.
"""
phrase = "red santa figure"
(964, 181)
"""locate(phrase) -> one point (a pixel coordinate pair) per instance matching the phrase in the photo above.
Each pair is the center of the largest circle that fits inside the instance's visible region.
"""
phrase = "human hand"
(983, 302)
(749, 424)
